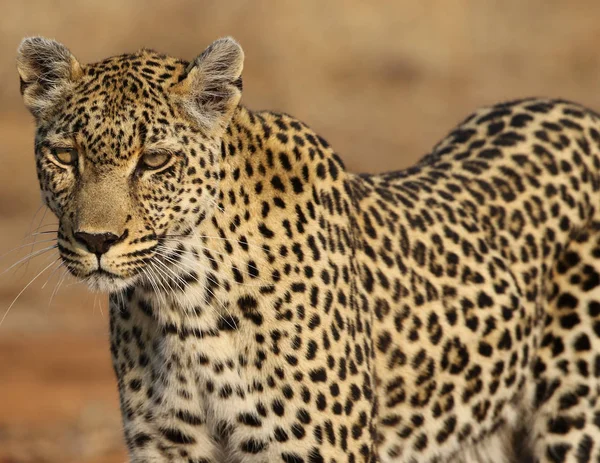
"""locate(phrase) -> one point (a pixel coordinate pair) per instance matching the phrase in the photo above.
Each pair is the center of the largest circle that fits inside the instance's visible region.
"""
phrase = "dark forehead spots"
(144, 74)
(122, 103)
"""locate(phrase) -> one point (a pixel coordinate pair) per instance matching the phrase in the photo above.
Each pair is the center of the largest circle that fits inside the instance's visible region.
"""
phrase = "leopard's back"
(479, 268)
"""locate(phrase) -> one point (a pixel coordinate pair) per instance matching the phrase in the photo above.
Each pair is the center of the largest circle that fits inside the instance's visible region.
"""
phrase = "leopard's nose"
(98, 243)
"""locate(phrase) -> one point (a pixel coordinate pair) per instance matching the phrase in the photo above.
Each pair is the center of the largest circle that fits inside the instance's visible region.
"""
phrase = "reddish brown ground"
(381, 80)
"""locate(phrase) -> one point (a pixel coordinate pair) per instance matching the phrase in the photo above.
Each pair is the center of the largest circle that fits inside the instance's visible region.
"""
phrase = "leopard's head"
(127, 150)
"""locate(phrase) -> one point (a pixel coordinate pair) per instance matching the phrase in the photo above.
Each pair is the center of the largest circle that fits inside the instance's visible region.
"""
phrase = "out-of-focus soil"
(382, 81)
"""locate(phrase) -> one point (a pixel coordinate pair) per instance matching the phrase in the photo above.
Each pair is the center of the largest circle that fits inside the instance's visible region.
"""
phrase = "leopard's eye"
(65, 156)
(154, 160)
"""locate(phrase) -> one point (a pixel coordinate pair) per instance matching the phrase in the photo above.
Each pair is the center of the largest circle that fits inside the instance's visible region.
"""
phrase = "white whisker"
(206, 287)
(43, 226)
(49, 232)
(34, 238)
(122, 297)
(183, 289)
(53, 271)
(57, 287)
(149, 277)
(34, 216)
(183, 255)
(39, 252)
(200, 236)
(26, 245)
(22, 291)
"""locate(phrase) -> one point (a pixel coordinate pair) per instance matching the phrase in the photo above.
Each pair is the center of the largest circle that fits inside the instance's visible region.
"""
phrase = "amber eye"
(154, 160)
(65, 156)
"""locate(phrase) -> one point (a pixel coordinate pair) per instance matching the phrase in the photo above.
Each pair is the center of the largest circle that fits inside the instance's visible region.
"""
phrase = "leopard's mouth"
(102, 280)
(106, 273)
(99, 278)
(109, 272)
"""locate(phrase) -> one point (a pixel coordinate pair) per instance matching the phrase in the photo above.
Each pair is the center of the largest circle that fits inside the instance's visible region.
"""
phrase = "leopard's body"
(267, 305)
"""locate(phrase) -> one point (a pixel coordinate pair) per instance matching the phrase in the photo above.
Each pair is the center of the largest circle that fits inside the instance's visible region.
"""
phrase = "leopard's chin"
(105, 282)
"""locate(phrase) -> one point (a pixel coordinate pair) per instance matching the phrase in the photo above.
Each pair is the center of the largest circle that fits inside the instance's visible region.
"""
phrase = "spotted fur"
(267, 305)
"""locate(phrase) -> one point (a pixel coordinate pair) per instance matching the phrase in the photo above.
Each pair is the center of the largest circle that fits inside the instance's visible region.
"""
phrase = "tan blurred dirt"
(382, 81)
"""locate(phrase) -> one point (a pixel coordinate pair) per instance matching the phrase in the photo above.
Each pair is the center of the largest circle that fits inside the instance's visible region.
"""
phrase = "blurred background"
(382, 81)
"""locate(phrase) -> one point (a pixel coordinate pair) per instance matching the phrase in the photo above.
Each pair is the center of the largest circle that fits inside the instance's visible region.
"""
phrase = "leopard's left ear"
(212, 85)
(47, 71)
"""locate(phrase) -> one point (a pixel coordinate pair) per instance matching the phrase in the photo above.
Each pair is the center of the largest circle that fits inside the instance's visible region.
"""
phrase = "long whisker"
(200, 236)
(42, 233)
(122, 297)
(34, 216)
(62, 264)
(99, 304)
(44, 226)
(30, 256)
(23, 290)
(52, 257)
(52, 272)
(193, 262)
(149, 277)
(182, 255)
(176, 264)
(240, 261)
(29, 229)
(60, 281)
(186, 285)
(169, 279)
(159, 282)
(35, 238)
(26, 245)
(213, 201)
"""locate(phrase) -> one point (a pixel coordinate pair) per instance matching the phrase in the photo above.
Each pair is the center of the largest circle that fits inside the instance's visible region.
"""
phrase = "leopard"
(269, 305)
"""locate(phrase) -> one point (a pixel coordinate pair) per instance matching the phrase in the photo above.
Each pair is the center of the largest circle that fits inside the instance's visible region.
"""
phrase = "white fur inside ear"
(47, 70)
(223, 59)
(212, 87)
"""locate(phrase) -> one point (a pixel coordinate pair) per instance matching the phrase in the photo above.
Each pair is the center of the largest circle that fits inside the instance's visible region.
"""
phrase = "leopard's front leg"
(163, 411)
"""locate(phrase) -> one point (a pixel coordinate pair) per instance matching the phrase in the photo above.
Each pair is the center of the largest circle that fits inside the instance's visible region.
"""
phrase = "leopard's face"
(127, 154)
(134, 173)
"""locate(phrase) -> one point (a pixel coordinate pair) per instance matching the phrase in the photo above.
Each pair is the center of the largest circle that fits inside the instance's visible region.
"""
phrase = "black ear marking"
(239, 84)
(22, 85)
(188, 69)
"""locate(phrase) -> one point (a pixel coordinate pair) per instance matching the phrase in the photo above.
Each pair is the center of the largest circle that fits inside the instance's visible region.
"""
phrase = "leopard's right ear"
(211, 87)
(47, 71)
